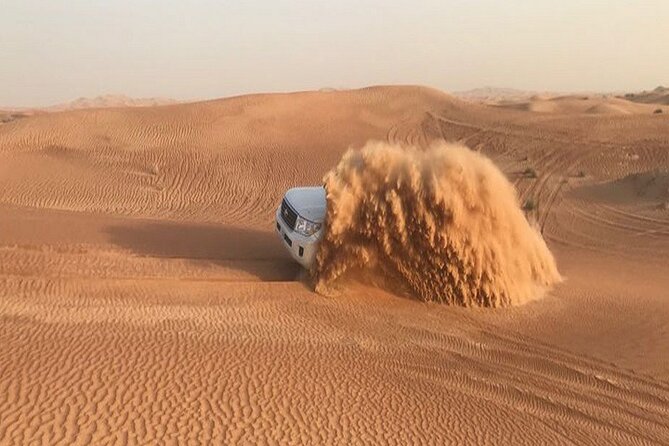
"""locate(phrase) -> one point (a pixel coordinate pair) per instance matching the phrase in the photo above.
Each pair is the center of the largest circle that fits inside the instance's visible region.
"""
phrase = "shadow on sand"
(259, 253)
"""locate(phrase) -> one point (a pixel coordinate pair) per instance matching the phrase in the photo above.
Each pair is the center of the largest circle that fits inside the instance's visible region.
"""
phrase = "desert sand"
(579, 104)
(145, 298)
(108, 101)
(492, 95)
(659, 95)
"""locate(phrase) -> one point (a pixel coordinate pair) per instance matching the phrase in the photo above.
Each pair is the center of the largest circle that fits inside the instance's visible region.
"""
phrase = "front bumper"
(302, 249)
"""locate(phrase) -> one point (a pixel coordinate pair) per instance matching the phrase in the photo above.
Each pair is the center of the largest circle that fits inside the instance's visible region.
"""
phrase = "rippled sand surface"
(145, 299)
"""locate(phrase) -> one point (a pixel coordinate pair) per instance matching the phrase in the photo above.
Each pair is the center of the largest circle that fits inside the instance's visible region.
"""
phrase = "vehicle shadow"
(259, 253)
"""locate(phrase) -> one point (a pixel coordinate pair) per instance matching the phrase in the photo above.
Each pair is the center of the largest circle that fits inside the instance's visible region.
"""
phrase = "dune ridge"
(659, 96)
(445, 222)
(596, 104)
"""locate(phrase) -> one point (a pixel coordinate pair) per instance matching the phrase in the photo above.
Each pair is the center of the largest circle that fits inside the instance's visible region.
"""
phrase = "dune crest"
(444, 222)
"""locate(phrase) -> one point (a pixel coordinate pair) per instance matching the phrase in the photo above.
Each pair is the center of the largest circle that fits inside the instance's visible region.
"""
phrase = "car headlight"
(306, 227)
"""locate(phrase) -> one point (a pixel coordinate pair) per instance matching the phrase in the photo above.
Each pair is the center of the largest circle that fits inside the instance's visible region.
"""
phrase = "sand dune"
(109, 100)
(494, 95)
(11, 115)
(104, 101)
(659, 95)
(145, 299)
(577, 104)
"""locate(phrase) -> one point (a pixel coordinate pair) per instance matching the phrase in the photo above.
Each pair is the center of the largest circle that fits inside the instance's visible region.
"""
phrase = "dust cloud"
(443, 224)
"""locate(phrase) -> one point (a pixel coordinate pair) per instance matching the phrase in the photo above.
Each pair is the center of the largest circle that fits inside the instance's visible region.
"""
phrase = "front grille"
(288, 215)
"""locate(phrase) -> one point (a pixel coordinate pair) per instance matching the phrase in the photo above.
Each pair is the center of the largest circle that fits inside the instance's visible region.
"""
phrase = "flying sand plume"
(444, 223)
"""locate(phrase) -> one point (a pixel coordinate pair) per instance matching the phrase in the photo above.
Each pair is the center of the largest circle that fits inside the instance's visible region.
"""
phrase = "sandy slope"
(659, 95)
(11, 115)
(103, 101)
(145, 298)
(495, 95)
(108, 101)
(579, 104)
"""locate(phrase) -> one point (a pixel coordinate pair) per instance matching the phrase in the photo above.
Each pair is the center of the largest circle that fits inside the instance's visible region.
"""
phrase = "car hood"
(309, 202)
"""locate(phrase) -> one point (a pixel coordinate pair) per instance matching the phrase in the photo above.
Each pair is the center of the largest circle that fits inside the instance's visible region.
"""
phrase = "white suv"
(299, 222)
